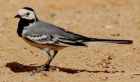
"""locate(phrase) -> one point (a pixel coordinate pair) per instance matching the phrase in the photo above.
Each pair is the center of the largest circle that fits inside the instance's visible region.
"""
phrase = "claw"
(40, 69)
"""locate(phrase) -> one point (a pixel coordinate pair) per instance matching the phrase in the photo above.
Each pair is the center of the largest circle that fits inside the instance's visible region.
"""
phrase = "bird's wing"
(44, 33)
(39, 38)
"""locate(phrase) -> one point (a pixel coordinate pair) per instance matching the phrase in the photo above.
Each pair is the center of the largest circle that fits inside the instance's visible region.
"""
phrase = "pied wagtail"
(49, 37)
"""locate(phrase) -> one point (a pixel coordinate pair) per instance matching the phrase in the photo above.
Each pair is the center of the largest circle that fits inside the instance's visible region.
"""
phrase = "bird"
(51, 38)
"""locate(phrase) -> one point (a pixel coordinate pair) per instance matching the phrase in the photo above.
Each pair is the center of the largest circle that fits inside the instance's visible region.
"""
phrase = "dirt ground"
(100, 62)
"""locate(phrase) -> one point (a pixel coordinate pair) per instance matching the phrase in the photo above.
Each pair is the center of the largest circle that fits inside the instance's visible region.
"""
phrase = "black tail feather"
(75, 43)
(111, 41)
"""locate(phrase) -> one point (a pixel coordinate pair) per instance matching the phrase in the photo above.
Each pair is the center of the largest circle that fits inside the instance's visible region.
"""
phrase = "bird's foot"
(41, 68)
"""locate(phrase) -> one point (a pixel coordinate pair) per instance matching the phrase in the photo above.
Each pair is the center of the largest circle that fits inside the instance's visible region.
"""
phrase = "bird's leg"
(45, 67)
(51, 57)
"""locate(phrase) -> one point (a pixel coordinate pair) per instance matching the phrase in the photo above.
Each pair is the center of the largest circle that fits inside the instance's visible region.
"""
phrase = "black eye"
(27, 13)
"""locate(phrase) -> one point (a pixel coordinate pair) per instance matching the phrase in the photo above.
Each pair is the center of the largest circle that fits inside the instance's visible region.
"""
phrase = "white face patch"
(26, 14)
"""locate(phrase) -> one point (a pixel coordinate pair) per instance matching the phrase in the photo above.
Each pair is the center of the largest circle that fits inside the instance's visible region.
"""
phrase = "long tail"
(110, 41)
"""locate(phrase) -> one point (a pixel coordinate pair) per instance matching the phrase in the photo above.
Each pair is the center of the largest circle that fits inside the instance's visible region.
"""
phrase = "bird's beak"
(17, 16)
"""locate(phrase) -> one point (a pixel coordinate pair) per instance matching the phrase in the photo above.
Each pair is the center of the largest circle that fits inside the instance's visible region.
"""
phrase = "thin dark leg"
(46, 66)
(51, 57)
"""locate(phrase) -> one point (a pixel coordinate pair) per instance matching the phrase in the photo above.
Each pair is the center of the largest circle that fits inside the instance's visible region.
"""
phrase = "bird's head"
(26, 13)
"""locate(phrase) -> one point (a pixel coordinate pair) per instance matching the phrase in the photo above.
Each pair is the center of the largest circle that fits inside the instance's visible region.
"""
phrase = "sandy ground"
(100, 62)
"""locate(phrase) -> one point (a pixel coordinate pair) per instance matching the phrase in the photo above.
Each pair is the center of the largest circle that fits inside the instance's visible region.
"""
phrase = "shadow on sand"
(17, 68)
